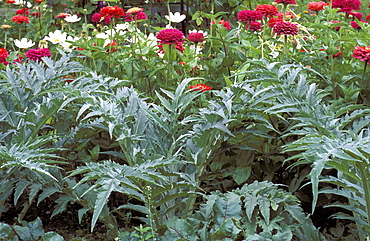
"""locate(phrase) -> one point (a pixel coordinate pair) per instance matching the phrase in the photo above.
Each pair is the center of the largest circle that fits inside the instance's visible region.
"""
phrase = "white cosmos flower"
(67, 45)
(121, 26)
(23, 43)
(23, 3)
(72, 18)
(56, 37)
(176, 17)
(102, 35)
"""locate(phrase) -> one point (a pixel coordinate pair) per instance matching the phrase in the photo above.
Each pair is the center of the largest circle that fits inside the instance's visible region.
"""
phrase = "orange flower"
(201, 87)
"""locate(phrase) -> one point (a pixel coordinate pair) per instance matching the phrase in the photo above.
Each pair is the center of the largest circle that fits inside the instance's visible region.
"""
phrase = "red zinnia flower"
(37, 54)
(267, 10)
(286, 1)
(285, 28)
(362, 53)
(69, 78)
(115, 11)
(271, 23)
(20, 19)
(36, 14)
(3, 56)
(22, 11)
(316, 6)
(135, 16)
(98, 17)
(224, 23)
(170, 36)
(39, 1)
(347, 5)
(196, 37)
(249, 15)
(254, 26)
(368, 17)
(10, 1)
(111, 49)
(201, 87)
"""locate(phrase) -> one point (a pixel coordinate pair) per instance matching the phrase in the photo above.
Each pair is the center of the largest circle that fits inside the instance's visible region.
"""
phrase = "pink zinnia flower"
(170, 36)
(347, 5)
(362, 53)
(201, 87)
(98, 17)
(37, 54)
(196, 37)
(3, 56)
(249, 15)
(285, 28)
(254, 26)
(285, 1)
(267, 10)
(134, 10)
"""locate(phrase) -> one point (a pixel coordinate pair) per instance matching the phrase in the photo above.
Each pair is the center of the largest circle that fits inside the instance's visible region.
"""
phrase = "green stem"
(364, 175)
(334, 84)
(363, 75)
(169, 11)
(284, 10)
(169, 63)
(285, 45)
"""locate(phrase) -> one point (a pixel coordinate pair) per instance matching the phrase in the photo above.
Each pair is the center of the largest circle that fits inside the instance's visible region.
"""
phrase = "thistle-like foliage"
(327, 135)
(256, 211)
(28, 109)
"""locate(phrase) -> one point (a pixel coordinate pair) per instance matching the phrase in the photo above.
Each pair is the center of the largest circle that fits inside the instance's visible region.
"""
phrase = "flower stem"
(363, 75)
(285, 44)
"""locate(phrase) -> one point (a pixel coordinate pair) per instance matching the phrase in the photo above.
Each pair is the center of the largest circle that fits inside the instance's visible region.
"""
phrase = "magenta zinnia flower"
(249, 15)
(135, 16)
(170, 36)
(355, 15)
(267, 10)
(196, 37)
(347, 5)
(285, 28)
(362, 53)
(285, 1)
(254, 26)
(98, 17)
(37, 54)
